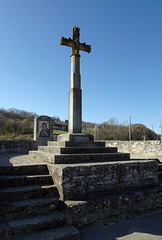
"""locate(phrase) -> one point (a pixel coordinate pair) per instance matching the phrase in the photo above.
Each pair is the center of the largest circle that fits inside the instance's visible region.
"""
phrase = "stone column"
(75, 93)
(75, 96)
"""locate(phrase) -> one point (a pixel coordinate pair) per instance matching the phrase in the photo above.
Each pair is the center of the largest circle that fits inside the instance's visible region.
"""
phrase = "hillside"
(19, 124)
(16, 124)
(111, 130)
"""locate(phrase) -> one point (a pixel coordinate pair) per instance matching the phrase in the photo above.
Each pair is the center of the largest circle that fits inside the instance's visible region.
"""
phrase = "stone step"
(115, 208)
(76, 144)
(76, 150)
(80, 158)
(160, 167)
(36, 223)
(160, 175)
(40, 169)
(49, 149)
(60, 233)
(56, 144)
(28, 192)
(46, 157)
(29, 207)
(23, 180)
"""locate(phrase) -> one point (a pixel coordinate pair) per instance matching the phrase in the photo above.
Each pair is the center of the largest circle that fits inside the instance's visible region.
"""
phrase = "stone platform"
(86, 169)
(88, 181)
(97, 183)
(114, 207)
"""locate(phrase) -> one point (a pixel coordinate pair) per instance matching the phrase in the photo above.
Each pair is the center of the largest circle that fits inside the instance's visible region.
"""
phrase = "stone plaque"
(43, 130)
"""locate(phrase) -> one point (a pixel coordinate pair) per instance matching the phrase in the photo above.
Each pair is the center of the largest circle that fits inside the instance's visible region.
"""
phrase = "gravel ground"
(7, 159)
(147, 227)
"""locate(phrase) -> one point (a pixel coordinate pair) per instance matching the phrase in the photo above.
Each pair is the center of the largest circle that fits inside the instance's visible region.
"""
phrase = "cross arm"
(67, 42)
(71, 43)
(84, 47)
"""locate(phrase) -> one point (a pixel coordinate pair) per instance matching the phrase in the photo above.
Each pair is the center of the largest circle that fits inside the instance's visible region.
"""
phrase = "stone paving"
(14, 159)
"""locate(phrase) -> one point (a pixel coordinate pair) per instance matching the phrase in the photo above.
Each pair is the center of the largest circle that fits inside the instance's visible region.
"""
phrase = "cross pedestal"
(75, 92)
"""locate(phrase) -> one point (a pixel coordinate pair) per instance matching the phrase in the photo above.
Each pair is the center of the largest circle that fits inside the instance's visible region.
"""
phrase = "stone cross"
(75, 93)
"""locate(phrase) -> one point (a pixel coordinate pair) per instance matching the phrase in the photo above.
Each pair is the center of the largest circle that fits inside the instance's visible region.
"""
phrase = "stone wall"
(112, 208)
(17, 146)
(143, 149)
(84, 181)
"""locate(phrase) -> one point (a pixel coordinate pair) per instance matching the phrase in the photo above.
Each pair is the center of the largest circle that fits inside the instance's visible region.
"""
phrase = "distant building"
(62, 126)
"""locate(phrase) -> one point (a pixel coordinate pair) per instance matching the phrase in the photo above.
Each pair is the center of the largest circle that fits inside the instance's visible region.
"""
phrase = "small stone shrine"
(43, 130)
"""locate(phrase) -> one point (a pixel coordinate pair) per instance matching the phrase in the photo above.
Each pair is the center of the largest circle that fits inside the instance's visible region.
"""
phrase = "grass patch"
(27, 137)
(57, 132)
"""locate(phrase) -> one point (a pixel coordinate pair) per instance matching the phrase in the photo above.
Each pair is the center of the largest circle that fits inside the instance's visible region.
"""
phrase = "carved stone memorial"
(43, 130)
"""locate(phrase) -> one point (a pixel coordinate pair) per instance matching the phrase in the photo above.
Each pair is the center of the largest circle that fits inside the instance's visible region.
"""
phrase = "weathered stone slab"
(144, 149)
(75, 137)
(11, 146)
(79, 158)
(90, 158)
(18, 181)
(24, 170)
(76, 150)
(84, 181)
(160, 167)
(76, 144)
(112, 208)
(43, 156)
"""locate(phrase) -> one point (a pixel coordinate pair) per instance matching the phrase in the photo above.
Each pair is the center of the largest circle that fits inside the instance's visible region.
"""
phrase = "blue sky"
(122, 75)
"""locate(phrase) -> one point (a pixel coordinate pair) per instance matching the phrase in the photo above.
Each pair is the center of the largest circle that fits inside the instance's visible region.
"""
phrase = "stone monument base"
(113, 208)
(99, 184)
(75, 137)
(86, 181)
